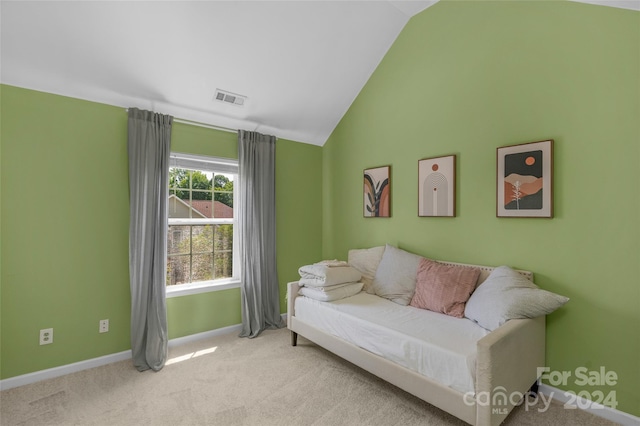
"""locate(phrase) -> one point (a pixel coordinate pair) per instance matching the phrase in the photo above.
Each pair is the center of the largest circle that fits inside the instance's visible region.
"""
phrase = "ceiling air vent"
(230, 98)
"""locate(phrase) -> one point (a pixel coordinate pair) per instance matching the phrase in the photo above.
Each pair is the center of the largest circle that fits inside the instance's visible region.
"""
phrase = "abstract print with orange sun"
(523, 183)
(436, 186)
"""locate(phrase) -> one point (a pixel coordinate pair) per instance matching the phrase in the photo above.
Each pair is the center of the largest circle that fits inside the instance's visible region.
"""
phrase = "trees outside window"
(201, 219)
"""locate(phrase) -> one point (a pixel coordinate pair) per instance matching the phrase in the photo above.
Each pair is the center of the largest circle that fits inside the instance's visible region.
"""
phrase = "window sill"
(201, 287)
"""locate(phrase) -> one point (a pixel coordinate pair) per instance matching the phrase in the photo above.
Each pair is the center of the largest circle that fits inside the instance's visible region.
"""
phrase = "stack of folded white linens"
(329, 280)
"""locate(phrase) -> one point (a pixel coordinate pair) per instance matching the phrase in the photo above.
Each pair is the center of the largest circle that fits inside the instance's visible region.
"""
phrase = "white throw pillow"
(328, 294)
(366, 261)
(508, 295)
(395, 278)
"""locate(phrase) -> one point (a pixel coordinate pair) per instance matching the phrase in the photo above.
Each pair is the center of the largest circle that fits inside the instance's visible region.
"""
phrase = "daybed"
(497, 364)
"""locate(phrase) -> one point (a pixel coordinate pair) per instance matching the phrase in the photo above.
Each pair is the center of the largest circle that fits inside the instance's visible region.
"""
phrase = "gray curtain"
(257, 222)
(149, 149)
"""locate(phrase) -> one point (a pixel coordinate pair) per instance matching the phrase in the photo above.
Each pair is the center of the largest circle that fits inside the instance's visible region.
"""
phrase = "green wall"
(466, 77)
(65, 221)
(64, 229)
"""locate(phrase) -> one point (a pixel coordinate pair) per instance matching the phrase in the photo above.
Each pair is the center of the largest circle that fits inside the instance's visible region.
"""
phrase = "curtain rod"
(200, 124)
(208, 126)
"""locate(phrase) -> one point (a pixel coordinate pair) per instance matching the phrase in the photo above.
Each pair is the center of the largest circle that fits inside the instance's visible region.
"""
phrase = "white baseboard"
(36, 376)
(577, 402)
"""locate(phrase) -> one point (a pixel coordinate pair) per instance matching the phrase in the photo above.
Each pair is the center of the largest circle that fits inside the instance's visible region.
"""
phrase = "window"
(201, 242)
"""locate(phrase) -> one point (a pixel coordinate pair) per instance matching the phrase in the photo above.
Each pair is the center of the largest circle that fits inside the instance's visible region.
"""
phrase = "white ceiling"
(300, 63)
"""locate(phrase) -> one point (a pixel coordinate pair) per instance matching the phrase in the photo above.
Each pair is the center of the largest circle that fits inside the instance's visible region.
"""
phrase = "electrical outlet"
(104, 326)
(46, 336)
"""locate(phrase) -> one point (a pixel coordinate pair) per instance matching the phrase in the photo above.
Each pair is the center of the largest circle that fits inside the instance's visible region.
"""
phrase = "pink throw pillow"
(444, 288)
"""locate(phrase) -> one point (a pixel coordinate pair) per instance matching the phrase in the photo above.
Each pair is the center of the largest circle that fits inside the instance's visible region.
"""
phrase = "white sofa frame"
(507, 364)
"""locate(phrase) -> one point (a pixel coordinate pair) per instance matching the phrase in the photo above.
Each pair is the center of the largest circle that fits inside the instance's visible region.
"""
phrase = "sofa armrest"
(508, 361)
(292, 292)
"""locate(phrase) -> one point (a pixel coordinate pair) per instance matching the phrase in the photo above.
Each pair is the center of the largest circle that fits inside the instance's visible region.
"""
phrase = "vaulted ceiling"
(300, 64)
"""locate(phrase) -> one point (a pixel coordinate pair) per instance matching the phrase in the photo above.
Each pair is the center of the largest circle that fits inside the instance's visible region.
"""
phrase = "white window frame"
(216, 165)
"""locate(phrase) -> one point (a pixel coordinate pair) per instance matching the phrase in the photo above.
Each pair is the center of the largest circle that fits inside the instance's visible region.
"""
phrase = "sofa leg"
(294, 338)
(533, 391)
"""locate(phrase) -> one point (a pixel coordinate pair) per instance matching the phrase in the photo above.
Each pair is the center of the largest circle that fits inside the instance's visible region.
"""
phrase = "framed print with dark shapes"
(525, 180)
(377, 192)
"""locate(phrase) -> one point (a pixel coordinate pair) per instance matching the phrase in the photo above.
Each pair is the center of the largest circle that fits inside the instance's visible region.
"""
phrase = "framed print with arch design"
(437, 186)
(525, 180)
(377, 192)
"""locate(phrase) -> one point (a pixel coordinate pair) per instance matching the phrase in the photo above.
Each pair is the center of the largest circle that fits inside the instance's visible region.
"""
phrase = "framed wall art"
(377, 192)
(437, 186)
(525, 180)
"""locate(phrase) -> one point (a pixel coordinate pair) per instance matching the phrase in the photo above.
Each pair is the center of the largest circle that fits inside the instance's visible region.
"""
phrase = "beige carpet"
(231, 381)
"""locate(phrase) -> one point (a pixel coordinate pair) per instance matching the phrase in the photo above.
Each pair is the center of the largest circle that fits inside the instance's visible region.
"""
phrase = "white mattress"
(438, 346)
